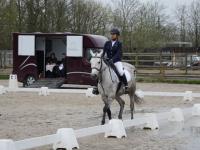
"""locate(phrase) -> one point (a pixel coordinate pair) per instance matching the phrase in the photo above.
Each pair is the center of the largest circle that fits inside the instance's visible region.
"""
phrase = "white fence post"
(44, 91)
(2, 90)
(13, 83)
(151, 121)
(196, 110)
(7, 144)
(66, 139)
(116, 129)
(188, 96)
(89, 93)
(176, 115)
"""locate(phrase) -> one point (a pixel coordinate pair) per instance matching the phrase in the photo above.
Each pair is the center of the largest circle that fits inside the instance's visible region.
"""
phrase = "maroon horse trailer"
(31, 51)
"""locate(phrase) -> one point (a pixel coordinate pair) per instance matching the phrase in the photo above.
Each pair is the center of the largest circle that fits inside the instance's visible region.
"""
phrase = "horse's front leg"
(121, 103)
(107, 110)
(104, 115)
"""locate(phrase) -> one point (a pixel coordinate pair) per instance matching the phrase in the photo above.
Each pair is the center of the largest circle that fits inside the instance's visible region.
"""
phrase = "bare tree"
(194, 21)
(124, 18)
(182, 16)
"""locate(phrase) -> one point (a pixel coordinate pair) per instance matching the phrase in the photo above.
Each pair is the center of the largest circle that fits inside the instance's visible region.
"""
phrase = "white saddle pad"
(128, 75)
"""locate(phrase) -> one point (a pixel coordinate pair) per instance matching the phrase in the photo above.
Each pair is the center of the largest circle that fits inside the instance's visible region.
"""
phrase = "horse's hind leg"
(104, 115)
(121, 103)
(132, 106)
(109, 113)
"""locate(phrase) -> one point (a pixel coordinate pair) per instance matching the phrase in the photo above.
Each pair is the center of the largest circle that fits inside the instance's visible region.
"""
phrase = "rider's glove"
(110, 61)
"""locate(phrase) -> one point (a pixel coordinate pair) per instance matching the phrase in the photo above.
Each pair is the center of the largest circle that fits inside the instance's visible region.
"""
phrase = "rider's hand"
(110, 61)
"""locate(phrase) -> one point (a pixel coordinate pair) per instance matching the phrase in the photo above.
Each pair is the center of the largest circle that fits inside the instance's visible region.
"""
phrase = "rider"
(113, 50)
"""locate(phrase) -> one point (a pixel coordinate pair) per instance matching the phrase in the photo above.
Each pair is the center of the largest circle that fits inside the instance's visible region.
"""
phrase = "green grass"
(4, 77)
(173, 81)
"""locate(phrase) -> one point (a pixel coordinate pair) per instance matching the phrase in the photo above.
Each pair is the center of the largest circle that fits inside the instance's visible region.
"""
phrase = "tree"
(181, 15)
(124, 18)
(194, 22)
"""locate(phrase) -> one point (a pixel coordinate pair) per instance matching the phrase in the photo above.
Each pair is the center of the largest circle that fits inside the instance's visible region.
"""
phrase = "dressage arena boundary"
(67, 137)
(45, 91)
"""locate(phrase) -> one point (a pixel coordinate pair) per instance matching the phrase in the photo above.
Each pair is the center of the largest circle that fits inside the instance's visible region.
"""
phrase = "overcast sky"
(170, 5)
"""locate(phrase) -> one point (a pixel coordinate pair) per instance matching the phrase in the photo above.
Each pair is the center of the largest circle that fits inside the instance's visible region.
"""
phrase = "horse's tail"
(137, 99)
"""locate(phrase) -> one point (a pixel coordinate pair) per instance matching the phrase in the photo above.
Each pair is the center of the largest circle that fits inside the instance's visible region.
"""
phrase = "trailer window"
(26, 45)
(74, 46)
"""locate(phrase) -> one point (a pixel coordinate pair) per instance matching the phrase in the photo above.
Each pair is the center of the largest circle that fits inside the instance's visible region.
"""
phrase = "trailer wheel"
(30, 79)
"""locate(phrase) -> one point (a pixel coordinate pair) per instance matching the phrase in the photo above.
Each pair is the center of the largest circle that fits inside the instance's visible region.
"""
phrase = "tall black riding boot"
(124, 80)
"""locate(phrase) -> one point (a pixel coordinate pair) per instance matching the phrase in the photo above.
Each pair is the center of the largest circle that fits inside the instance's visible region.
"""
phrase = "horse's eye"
(99, 62)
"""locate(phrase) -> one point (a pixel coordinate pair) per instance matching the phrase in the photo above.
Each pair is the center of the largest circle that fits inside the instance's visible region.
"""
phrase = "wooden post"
(0, 60)
(136, 59)
(186, 64)
(162, 71)
(4, 60)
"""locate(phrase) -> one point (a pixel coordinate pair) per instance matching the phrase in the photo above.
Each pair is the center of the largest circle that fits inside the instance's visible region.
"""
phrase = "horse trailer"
(33, 52)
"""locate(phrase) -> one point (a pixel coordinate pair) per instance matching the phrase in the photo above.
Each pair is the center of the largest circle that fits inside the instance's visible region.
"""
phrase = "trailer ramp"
(48, 82)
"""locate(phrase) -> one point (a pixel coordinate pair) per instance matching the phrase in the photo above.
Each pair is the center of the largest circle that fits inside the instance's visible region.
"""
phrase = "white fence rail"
(187, 95)
(13, 87)
(35, 142)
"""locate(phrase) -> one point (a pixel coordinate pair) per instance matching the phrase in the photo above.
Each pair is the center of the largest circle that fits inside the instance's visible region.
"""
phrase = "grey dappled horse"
(108, 85)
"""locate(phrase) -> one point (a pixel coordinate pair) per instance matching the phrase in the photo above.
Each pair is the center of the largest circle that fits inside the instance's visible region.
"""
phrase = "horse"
(110, 87)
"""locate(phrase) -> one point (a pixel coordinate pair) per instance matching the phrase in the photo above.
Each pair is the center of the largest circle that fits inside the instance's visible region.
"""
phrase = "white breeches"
(119, 67)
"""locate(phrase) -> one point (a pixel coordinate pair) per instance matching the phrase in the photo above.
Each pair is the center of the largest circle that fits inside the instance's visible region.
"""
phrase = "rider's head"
(114, 34)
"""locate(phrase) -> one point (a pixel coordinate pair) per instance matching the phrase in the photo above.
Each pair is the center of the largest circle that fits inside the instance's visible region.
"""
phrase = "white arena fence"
(67, 137)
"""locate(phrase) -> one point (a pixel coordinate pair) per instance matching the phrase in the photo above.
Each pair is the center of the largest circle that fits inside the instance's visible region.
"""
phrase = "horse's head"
(96, 63)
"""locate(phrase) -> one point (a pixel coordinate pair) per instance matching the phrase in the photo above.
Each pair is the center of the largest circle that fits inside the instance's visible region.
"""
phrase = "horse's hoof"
(103, 122)
(120, 118)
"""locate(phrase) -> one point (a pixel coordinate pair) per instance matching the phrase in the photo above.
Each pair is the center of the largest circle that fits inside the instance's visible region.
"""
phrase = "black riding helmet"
(114, 31)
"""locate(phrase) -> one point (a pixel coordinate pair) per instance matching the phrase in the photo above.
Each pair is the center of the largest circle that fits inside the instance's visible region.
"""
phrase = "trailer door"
(74, 53)
(26, 60)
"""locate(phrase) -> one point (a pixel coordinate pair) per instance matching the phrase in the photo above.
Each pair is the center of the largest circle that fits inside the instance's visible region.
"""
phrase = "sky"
(170, 5)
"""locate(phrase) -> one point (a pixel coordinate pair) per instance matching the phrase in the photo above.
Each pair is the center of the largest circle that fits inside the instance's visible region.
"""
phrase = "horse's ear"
(91, 53)
(101, 53)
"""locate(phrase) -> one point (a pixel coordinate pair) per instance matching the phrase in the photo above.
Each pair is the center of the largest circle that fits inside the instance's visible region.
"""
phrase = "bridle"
(98, 69)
